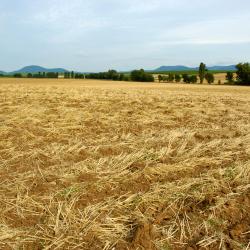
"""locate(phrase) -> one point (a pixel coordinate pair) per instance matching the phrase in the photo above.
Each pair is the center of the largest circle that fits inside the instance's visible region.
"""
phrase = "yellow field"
(109, 165)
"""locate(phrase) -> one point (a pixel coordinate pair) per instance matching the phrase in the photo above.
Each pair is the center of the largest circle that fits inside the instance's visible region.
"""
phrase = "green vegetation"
(18, 75)
(209, 77)
(243, 73)
(110, 75)
(177, 78)
(230, 77)
(189, 78)
(141, 76)
(202, 72)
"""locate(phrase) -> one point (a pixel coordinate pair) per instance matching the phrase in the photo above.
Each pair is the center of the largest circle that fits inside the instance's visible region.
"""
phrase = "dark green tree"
(209, 77)
(193, 79)
(170, 77)
(185, 78)
(243, 73)
(230, 77)
(141, 76)
(160, 78)
(189, 78)
(51, 75)
(18, 75)
(202, 72)
(177, 77)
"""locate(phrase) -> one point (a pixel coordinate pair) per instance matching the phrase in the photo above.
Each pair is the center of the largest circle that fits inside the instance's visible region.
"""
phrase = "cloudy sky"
(96, 35)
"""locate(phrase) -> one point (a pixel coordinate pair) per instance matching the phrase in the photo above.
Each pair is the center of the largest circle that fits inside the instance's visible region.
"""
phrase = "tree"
(29, 75)
(193, 79)
(189, 78)
(121, 77)
(165, 78)
(243, 73)
(141, 76)
(111, 75)
(230, 77)
(209, 77)
(51, 75)
(177, 77)
(185, 78)
(72, 74)
(160, 78)
(66, 75)
(170, 77)
(18, 75)
(202, 72)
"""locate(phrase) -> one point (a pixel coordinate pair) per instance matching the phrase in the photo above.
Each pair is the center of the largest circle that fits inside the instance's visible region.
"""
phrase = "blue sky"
(96, 35)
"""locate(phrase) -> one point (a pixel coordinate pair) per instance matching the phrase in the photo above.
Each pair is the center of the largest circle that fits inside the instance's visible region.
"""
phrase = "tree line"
(240, 77)
(66, 75)
(136, 75)
(187, 78)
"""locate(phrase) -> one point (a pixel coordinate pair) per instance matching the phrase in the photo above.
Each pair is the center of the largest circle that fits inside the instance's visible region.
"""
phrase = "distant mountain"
(35, 69)
(173, 68)
(223, 68)
(185, 68)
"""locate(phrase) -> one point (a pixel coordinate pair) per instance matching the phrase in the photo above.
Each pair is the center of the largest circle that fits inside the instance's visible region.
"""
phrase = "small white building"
(60, 76)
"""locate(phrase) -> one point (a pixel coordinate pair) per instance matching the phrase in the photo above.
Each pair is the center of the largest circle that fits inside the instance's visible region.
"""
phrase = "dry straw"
(103, 165)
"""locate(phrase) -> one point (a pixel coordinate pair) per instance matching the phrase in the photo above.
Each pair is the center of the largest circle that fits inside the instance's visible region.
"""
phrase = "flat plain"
(117, 165)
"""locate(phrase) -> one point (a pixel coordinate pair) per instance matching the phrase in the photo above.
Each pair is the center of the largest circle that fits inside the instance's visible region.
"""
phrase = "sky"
(97, 35)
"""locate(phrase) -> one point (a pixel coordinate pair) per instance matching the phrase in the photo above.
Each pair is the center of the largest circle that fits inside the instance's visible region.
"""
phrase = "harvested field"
(109, 165)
